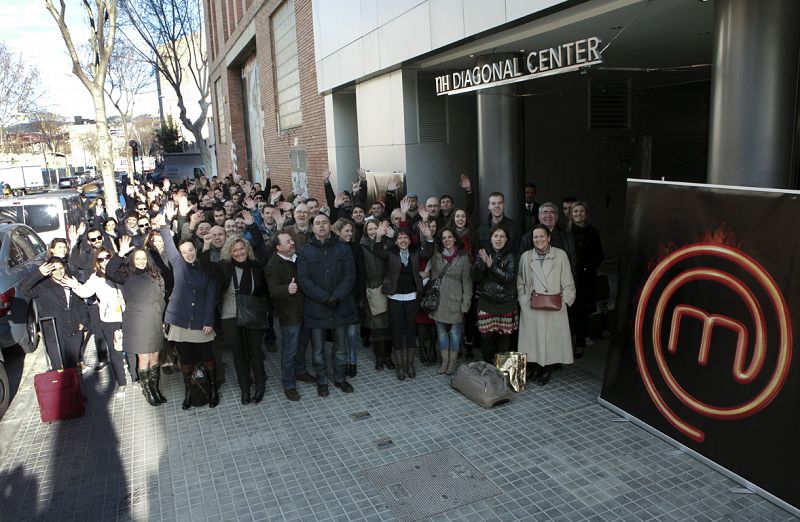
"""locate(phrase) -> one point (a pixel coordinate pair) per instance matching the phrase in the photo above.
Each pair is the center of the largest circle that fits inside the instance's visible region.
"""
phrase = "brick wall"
(310, 135)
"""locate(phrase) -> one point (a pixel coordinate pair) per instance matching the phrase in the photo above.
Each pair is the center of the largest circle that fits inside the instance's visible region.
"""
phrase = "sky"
(30, 30)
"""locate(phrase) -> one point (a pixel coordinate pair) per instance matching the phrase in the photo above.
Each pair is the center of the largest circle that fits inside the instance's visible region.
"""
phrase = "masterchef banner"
(704, 349)
(569, 56)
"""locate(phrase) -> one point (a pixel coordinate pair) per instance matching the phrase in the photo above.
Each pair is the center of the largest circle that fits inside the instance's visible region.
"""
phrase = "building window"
(287, 74)
(220, 109)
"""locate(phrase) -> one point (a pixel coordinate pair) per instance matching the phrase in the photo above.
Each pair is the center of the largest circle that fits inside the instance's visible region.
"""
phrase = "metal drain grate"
(430, 484)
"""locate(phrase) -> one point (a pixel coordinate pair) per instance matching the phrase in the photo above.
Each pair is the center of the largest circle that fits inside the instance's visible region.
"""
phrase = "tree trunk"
(105, 152)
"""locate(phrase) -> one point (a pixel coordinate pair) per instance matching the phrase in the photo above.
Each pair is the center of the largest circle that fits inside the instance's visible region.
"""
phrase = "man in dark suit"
(530, 210)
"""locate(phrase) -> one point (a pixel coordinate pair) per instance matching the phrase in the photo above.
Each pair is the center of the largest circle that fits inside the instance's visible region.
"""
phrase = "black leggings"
(114, 357)
(492, 343)
(403, 318)
(245, 343)
(192, 353)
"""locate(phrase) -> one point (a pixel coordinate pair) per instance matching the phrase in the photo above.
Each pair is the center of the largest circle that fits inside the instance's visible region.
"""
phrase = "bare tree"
(173, 34)
(128, 77)
(101, 16)
(90, 145)
(52, 131)
(19, 88)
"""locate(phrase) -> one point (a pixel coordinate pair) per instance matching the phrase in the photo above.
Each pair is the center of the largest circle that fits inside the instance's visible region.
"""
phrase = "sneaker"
(306, 377)
(292, 394)
(322, 390)
(345, 386)
(121, 390)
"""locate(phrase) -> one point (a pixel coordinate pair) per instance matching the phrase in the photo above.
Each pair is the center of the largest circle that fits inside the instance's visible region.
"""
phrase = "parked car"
(21, 252)
(47, 214)
(68, 182)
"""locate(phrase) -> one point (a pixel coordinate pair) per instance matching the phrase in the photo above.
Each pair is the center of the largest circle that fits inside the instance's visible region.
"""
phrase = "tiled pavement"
(554, 453)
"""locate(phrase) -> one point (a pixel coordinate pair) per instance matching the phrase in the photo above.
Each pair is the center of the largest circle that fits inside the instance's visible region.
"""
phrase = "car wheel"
(30, 340)
(4, 390)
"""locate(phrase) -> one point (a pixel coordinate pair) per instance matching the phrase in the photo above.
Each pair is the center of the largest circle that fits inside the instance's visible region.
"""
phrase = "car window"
(42, 218)
(37, 246)
(11, 214)
(16, 256)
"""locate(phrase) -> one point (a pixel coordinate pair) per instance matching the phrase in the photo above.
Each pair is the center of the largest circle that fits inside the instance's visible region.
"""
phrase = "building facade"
(268, 116)
(575, 96)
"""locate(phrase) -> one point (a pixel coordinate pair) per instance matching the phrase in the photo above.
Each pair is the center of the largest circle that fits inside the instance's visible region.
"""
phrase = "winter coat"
(144, 306)
(391, 254)
(496, 286)
(373, 269)
(327, 269)
(194, 295)
(288, 307)
(588, 256)
(455, 294)
(51, 301)
(253, 281)
(544, 335)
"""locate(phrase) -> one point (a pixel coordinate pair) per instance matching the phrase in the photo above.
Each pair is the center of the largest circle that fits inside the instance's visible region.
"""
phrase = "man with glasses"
(141, 209)
(143, 229)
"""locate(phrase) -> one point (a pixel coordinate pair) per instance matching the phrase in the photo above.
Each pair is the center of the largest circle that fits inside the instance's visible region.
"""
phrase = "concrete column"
(754, 92)
(498, 165)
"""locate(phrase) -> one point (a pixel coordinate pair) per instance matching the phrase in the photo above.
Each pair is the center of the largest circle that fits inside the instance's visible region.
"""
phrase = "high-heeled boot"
(397, 360)
(155, 379)
(410, 354)
(147, 387)
(213, 393)
(187, 397)
(445, 361)
(388, 355)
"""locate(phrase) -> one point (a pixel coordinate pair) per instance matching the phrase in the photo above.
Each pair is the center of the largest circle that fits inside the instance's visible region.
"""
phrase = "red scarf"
(452, 256)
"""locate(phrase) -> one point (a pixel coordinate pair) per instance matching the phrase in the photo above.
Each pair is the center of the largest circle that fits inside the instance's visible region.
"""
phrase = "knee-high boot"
(453, 363)
(399, 364)
(388, 355)
(410, 353)
(147, 387)
(155, 379)
(445, 361)
(187, 397)
(213, 393)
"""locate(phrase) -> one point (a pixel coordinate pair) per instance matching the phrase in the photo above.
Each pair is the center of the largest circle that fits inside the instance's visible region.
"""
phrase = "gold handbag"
(514, 366)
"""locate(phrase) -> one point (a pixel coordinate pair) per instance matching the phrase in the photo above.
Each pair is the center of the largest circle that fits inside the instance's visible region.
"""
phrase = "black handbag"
(429, 298)
(251, 310)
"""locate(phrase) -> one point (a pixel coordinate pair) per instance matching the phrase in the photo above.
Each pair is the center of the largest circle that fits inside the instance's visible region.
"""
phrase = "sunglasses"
(146, 225)
(103, 258)
(96, 238)
(141, 208)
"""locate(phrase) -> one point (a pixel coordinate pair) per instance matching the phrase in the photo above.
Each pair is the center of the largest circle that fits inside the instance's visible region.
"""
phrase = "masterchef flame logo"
(653, 308)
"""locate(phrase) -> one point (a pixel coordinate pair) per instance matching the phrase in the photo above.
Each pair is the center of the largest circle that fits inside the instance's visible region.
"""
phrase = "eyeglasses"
(96, 238)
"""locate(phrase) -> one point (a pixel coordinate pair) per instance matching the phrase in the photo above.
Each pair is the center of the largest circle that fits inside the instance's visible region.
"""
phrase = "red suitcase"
(58, 391)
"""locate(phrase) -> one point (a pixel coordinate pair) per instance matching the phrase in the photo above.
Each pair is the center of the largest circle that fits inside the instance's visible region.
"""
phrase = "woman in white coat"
(544, 334)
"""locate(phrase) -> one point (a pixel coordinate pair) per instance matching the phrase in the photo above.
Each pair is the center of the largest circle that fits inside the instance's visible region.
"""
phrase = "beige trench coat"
(544, 335)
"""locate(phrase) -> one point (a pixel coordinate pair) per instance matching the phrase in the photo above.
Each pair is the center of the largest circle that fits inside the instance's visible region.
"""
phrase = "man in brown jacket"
(288, 301)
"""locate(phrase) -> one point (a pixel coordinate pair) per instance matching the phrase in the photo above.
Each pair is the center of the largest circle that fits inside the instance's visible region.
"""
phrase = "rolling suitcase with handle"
(58, 391)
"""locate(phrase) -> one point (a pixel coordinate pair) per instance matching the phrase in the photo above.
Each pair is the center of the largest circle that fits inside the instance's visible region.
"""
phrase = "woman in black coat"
(48, 285)
(495, 278)
(239, 272)
(589, 255)
(143, 292)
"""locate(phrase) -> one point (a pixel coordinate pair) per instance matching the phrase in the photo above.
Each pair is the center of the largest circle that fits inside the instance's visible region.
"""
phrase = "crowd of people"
(184, 272)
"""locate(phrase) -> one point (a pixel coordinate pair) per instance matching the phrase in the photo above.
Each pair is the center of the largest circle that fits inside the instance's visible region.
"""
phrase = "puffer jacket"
(327, 269)
(496, 284)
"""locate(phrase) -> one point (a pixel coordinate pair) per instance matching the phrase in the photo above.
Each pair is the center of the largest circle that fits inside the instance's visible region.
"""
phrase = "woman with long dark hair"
(240, 273)
(143, 292)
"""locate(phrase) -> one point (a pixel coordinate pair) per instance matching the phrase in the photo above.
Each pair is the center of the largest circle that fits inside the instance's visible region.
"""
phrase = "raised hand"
(249, 203)
(169, 212)
(381, 232)
(46, 268)
(247, 217)
(405, 205)
(425, 230)
(338, 201)
(165, 184)
(423, 213)
(72, 234)
(285, 206)
(356, 187)
(466, 184)
(124, 245)
(280, 219)
(207, 242)
(195, 218)
(292, 287)
(81, 228)
(326, 176)
(362, 174)
(183, 205)
(486, 258)
(394, 183)
(69, 282)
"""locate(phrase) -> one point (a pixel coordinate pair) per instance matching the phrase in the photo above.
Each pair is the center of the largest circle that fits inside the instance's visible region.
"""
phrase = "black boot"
(187, 398)
(397, 360)
(213, 393)
(377, 348)
(155, 379)
(147, 388)
(388, 356)
(410, 354)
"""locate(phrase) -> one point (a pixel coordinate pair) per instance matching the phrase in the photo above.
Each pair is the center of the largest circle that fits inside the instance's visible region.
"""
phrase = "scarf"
(450, 255)
(404, 257)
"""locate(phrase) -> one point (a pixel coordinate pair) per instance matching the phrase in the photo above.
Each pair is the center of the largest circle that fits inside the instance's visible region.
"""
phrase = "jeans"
(339, 358)
(354, 342)
(290, 342)
(300, 365)
(449, 335)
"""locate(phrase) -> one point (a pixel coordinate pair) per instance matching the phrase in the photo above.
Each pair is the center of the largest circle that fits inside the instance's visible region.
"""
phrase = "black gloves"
(331, 302)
